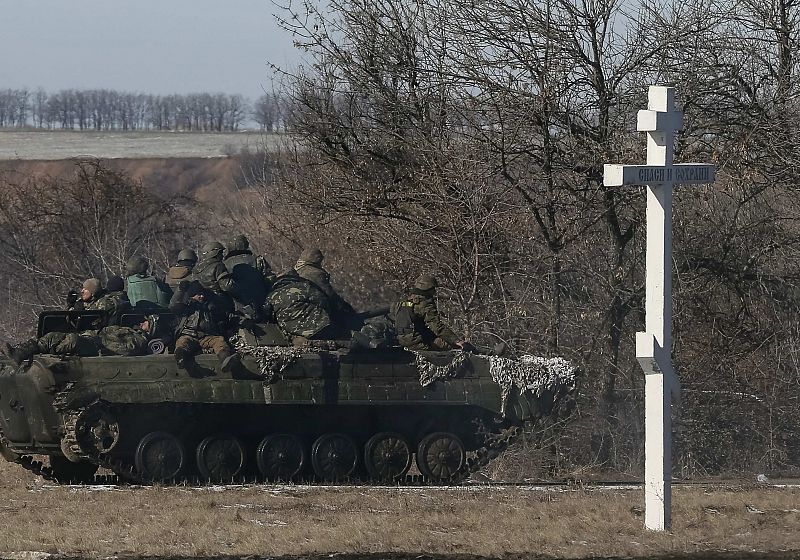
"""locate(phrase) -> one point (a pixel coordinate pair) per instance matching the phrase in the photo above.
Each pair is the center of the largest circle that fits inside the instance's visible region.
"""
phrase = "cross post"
(653, 346)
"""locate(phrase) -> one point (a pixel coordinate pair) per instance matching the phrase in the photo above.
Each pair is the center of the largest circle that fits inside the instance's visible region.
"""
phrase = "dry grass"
(277, 520)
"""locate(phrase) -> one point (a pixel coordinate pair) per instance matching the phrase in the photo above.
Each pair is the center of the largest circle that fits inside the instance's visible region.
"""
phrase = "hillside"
(201, 178)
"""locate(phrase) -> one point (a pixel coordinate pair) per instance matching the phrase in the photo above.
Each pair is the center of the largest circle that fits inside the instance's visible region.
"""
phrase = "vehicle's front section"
(29, 421)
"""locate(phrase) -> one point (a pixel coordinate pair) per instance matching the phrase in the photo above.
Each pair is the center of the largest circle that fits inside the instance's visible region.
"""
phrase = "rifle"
(370, 313)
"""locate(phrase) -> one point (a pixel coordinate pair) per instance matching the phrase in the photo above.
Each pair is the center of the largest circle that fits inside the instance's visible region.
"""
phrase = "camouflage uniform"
(313, 272)
(113, 340)
(76, 303)
(210, 271)
(201, 325)
(344, 319)
(114, 304)
(299, 307)
(417, 320)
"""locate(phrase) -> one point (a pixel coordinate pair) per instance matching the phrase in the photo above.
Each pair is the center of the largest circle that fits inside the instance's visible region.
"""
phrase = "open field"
(299, 520)
(58, 144)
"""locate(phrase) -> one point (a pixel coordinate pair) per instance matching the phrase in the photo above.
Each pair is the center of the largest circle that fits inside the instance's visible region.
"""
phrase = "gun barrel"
(370, 313)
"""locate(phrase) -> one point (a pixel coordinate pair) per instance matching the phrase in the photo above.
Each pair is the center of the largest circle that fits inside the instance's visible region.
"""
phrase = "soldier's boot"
(21, 352)
(180, 357)
(185, 360)
(229, 361)
(359, 341)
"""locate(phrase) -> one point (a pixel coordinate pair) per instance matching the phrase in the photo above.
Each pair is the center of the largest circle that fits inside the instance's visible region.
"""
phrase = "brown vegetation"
(467, 139)
(201, 179)
(276, 520)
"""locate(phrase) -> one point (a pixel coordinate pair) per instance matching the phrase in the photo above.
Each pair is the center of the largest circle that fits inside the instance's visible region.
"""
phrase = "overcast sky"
(149, 46)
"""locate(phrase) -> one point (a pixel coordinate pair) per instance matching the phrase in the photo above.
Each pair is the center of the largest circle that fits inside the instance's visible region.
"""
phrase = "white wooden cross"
(660, 121)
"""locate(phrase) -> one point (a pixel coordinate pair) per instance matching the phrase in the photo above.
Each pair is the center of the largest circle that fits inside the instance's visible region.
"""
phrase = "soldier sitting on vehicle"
(113, 302)
(300, 308)
(309, 266)
(210, 271)
(145, 291)
(417, 320)
(202, 324)
(113, 340)
(182, 270)
(84, 297)
(251, 276)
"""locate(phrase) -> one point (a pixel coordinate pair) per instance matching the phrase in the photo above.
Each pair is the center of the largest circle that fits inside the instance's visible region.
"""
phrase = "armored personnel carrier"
(290, 413)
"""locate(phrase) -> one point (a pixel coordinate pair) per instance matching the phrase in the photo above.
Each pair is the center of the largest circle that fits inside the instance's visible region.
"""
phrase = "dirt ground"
(40, 519)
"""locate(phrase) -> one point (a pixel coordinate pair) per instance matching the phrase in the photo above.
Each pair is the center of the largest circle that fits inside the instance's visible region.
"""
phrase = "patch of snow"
(275, 523)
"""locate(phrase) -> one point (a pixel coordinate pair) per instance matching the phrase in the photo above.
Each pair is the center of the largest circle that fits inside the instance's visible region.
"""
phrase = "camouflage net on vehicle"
(430, 372)
(271, 360)
(531, 373)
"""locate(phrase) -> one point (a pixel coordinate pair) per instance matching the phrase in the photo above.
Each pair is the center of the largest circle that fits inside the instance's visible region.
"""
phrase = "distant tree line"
(106, 109)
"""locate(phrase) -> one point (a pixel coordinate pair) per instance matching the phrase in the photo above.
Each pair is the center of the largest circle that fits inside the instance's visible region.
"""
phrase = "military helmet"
(238, 243)
(211, 250)
(136, 265)
(312, 256)
(425, 282)
(187, 255)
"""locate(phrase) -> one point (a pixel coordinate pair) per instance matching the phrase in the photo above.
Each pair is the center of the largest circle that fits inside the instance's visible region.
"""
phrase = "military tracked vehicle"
(288, 414)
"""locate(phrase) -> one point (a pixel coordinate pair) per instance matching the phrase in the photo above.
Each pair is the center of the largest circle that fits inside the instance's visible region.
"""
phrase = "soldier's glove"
(467, 346)
(249, 312)
(72, 297)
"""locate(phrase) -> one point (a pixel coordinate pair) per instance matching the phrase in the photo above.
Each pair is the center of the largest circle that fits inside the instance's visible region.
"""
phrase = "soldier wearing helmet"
(145, 291)
(210, 271)
(309, 266)
(251, 275)
(182, 270)
(417, 320)
(202, 323)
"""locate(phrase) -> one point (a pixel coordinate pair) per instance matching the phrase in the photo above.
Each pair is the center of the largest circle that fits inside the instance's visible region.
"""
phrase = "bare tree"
(56, 232)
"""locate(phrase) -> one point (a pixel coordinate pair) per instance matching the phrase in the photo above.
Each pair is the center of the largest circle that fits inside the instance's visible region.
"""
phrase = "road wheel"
(67, 472)
(387, 456)
(334, 456)
(220, 458)
(281, 457)
(160, 457)
(440, 456)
